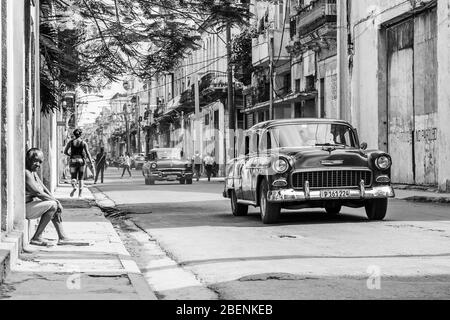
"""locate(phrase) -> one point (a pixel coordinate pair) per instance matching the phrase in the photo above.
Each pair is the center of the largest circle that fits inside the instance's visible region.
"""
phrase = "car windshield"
(312, 135)
(168, 154)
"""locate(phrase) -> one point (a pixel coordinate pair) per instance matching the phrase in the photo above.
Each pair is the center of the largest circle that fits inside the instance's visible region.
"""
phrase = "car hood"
(326, 157)
(172, 164)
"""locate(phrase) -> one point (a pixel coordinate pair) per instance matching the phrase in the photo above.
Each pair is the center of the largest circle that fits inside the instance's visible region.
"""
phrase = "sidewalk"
(103, 270)
(420, 194)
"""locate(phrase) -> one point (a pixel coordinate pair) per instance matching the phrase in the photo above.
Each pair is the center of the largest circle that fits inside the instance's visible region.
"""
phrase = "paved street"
(193, 248)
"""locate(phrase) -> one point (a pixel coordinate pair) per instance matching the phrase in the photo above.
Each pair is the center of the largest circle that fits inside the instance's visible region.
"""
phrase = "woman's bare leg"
(45, 219)
(80, 185)
(57, 222)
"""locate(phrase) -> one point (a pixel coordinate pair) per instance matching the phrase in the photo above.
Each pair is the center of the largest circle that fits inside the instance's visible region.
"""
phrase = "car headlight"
(153, 166)
(383, 162)
(280, 165)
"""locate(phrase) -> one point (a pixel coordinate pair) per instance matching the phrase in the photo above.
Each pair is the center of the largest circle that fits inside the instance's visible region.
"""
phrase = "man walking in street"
(100, 162)
(209, 162)
(126, 164)
(197, 160)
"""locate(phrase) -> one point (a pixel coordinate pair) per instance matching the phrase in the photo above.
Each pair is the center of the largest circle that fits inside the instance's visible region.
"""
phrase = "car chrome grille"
(339, 178)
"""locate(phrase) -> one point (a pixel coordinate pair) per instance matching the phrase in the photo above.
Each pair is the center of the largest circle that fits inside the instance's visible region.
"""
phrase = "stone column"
(15, 158)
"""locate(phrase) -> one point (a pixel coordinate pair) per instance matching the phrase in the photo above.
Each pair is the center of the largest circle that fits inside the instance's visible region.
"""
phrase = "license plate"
(172, 177)
(335, 194)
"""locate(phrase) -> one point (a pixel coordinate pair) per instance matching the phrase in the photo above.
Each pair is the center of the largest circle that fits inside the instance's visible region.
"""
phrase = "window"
(310, 83)
(254, 142)
(313, 135)
(265, 143)
(297, 85)
(206, 119)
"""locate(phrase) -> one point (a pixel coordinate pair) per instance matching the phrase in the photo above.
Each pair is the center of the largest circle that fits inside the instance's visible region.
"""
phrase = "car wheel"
(238, 209)
(189, 181)
(333, 210)
(182, 181)
(376, 209)
(270, 212)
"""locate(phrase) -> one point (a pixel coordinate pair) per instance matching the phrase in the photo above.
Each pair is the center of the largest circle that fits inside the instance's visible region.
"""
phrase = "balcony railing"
(260, 48)
(315, 15)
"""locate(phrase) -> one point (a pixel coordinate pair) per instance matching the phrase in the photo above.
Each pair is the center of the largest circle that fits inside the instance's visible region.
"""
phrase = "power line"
(163, 85)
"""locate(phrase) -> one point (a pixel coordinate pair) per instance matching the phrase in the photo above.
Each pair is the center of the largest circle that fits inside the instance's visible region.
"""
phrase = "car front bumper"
(291, 195)
(161, 176)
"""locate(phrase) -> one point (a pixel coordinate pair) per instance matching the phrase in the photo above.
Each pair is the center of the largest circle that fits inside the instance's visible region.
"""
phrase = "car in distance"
(167, 164)
(307, 163)
(137, 161)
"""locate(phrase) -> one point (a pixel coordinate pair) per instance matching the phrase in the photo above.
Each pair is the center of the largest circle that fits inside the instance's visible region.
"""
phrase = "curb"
(425, 199)
(132, 270)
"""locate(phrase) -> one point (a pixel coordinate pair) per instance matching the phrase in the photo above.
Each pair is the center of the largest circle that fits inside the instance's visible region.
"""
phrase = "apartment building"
(295, 45)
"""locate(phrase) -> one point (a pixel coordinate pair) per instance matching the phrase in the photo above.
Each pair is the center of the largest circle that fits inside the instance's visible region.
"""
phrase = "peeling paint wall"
(427, 135)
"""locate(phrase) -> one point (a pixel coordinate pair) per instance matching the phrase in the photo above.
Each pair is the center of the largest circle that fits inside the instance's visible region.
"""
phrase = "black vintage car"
(167, 164)
(307, 163)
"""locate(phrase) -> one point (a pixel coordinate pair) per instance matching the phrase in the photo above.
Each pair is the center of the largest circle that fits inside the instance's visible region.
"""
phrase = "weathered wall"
(369, 89)
(367, 16)
(443, 56)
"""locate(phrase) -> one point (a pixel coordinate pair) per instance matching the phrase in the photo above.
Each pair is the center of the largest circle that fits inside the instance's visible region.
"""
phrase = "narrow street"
(193, 248)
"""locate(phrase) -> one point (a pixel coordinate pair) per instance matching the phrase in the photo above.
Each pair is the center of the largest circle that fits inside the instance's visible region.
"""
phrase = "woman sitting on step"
(40, 203)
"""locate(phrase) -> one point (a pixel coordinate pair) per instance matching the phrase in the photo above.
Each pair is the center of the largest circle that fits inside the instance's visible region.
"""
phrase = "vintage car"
(167, 164)
(307, 163)
(137, 161)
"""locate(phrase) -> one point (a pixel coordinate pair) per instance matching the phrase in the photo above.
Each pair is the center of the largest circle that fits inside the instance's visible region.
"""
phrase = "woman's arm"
(66, 150)
(33, 188)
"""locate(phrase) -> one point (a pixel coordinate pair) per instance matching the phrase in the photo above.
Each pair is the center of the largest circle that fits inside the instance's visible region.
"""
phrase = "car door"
(248, 169)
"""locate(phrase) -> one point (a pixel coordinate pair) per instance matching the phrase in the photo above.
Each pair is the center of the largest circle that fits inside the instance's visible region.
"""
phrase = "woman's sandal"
(41, 243)
(76, 243)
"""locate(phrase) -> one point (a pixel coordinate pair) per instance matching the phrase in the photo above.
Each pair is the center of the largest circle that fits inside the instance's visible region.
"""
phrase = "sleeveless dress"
(76, 155)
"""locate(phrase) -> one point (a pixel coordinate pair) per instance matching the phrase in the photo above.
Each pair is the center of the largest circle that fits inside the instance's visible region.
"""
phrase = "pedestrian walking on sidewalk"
(209, 163)
(40, 203)
(78, 152)
(126, 164)
(100, 165)
(197, 161)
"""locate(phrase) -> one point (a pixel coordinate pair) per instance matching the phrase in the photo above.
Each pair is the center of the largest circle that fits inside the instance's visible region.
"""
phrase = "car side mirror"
(364, 146)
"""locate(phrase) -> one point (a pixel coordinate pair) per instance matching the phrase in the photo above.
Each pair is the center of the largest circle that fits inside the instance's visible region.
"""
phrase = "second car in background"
(137, 161)
(167, 164)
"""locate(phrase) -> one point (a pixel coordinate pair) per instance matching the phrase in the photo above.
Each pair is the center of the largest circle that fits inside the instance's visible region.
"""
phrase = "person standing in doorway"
(100, 163)
(197, 160)
(78, 152)
(209, 163)
(126, 164)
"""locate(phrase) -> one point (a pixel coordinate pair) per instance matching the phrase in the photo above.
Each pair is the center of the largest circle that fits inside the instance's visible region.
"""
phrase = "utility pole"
(139, 119)
(270, 46)
(127, 128)
(230, 102)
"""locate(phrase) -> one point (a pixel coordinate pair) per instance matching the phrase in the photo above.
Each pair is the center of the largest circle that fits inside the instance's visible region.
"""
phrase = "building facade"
(191, 101)
(295, 55)
(394, 75)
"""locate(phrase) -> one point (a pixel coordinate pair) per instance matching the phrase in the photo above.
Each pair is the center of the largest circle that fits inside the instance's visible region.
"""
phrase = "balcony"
(317, 21)
(260, 49)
